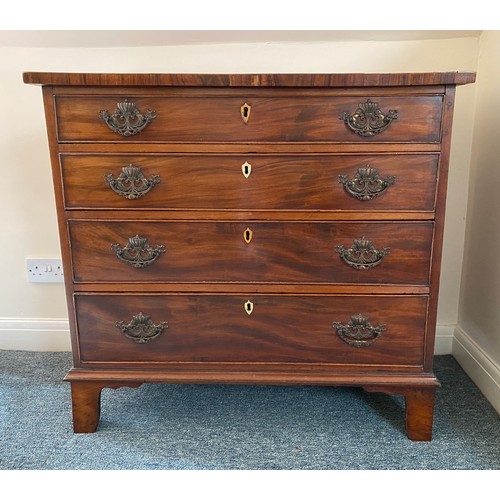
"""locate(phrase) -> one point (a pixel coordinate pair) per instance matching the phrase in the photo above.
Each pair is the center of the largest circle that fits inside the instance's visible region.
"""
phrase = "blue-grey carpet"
(220, 427)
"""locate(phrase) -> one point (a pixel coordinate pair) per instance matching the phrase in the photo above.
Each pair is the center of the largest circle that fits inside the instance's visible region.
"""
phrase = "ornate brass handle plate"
(358, 332)
(368, 120)
(137, 252)
(362, 255)
(127, 120)
(366, 184)
(141, 328)
(131, 183)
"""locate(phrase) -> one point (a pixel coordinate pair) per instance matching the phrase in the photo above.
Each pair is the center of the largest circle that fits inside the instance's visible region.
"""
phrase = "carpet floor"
(207, 427)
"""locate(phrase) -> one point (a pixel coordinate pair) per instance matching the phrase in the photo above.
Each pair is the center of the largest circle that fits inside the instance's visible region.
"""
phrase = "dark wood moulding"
(251, 80)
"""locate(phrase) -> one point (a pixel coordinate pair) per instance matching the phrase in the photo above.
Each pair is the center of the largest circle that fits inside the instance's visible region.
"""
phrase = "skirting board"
(483, 371)
(444, 339)
(33, 334)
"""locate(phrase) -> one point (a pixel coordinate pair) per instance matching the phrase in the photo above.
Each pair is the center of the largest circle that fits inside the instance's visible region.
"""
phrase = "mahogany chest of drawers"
(253, 229)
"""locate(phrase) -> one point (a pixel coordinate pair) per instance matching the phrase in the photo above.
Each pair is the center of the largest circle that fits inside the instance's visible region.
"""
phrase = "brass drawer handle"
(368, 119)
(358, 332)
(245, 112)
(137, 253)
(127, 120)
(362, 255)
(366, 184)
(141, 329)
(131, 183)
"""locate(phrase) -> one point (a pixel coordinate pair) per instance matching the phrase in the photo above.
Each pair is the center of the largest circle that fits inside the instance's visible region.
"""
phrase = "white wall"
(477, 339)
(33, 315)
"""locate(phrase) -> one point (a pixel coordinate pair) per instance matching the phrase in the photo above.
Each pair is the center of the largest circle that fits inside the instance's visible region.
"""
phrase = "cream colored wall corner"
(28, 223)
(476, 344)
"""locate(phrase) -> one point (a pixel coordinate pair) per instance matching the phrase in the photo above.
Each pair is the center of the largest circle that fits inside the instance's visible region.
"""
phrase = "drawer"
(218, 328)
(268, 118)
(264, 252)
(250, 182)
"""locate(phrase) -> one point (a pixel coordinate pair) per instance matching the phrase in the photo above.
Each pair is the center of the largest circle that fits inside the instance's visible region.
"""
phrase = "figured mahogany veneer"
(279, 252)
(254, 229)
(272, 119)
(215, 328)
(215, 182)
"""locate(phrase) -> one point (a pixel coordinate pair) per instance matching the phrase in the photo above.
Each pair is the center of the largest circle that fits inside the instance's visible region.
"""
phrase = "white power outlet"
(45, 270)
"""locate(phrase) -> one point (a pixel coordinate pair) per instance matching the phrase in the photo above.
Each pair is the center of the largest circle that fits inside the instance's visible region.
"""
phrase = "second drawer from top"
(399, 182)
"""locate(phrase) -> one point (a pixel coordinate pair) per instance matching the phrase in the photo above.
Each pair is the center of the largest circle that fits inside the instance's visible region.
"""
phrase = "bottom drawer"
(388, 330)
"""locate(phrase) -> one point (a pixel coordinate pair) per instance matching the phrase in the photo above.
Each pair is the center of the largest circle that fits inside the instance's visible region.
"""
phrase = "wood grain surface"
(276, 182)
(273, 118)
(279, 252)
(250, 80)
(216, 328)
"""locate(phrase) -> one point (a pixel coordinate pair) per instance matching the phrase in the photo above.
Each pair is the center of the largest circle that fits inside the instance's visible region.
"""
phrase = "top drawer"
(232, 119)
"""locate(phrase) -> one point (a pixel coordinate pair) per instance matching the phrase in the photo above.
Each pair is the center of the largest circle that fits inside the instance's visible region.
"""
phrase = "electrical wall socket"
(45, 270)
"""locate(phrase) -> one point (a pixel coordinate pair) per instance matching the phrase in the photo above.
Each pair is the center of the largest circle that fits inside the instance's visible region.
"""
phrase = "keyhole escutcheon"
(245, 112)
(247, 235)
(248, 307)
(246, 168)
